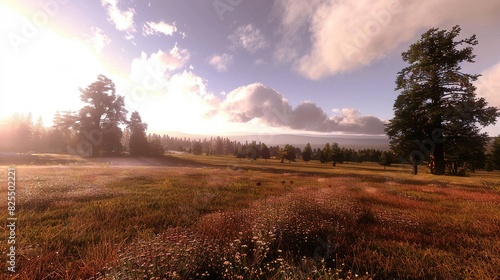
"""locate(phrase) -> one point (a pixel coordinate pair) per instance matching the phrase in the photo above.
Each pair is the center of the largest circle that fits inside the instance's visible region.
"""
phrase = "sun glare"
(42, 75)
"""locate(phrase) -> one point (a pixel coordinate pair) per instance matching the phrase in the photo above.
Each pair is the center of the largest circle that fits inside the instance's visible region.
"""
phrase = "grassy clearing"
(253, 220)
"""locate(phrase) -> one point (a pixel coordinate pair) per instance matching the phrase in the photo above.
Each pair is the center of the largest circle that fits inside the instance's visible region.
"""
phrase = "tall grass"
(217, 223)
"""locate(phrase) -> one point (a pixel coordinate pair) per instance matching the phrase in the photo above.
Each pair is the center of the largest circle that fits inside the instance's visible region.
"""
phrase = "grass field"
(224, 218)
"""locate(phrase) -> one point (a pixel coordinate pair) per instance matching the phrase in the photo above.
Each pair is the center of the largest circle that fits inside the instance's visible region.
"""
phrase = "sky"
(233, 66)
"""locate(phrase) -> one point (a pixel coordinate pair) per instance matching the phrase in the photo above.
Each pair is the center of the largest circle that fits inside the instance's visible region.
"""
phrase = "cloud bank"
(269, 107)
(346, 35)
(183, 95)
(158, 66)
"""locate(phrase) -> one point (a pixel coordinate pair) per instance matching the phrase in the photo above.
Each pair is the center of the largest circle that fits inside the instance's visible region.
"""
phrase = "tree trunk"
(431, 164)
(415, 167)
(438, 157)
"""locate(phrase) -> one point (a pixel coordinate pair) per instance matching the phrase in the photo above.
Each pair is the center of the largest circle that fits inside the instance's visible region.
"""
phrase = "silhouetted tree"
(138, 142)
(437, 109)
(99, 120)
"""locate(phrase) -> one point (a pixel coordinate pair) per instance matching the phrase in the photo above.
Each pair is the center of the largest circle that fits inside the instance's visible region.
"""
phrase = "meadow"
(203, 217)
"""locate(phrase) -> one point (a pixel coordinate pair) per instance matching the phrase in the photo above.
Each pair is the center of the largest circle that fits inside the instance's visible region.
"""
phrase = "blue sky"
(233, 66)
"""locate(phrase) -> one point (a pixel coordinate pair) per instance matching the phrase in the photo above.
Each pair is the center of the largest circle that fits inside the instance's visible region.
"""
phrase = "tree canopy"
(99, 120)
(437, 115)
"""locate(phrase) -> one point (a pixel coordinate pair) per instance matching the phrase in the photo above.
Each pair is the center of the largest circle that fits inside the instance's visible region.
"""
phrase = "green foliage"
(496, 153)
(252, 151)
(326, 153)
(307, 153)
(386, 159)
(289, 151)
(337, 155)
(264, 152)
(437, 104)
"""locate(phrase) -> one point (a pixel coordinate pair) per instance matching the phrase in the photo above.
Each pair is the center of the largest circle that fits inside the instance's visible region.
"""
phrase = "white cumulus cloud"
(249, 38)
(488, 85)
(123, 20)
(153, 28)
(152, 71)
(221, 62)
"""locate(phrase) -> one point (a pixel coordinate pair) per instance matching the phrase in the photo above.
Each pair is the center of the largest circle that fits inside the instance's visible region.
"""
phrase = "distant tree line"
(330, 153)
(101, 128)
(21, 134)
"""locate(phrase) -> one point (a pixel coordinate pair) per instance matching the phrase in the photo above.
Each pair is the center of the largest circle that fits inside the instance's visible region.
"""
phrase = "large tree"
(101, 117)
(437, 111)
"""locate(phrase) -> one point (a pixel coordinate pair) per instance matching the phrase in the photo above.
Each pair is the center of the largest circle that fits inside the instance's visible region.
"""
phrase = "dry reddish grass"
(185, 223)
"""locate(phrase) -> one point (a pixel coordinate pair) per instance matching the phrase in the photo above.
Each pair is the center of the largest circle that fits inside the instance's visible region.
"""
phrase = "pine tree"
(437, 112)
(138, 143)
(326, 153)
(307, 153)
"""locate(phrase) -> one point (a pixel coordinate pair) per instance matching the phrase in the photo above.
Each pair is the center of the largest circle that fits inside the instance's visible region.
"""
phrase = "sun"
(43, 74)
